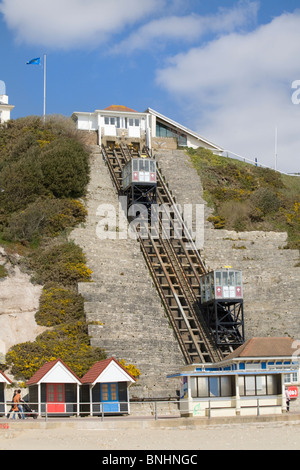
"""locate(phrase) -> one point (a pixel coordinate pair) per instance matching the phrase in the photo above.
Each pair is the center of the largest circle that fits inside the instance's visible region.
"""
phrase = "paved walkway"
(143, 422)
(146, 434)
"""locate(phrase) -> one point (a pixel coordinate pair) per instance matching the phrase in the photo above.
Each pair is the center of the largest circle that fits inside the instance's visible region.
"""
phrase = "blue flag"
(34, 61)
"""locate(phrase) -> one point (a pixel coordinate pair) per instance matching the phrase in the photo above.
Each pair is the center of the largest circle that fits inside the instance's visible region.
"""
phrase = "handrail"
(255, 162)
(211, 403)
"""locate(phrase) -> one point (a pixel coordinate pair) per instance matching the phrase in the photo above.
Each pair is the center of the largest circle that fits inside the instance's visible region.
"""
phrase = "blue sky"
(223, 68)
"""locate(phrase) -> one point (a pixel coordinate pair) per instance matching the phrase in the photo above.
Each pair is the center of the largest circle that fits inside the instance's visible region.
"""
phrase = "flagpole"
(276, 147)
(44, 110)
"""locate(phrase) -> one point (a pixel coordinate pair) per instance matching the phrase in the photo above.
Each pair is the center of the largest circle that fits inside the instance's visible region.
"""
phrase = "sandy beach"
(143, 436)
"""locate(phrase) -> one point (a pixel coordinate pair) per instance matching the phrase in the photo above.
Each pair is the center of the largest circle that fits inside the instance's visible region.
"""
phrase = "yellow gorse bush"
(132, 369)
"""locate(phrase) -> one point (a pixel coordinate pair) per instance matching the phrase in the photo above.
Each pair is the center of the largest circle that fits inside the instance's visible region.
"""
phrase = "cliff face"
(19, 301)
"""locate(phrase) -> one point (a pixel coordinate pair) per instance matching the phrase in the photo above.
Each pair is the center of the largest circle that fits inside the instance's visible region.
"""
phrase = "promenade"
(145, 433)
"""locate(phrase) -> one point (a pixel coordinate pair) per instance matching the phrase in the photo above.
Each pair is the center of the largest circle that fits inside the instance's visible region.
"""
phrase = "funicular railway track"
(175, 270)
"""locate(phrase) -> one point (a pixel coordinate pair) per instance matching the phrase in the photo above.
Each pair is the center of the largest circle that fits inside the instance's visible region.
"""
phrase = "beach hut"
(4, 381)
(105, 388)
(55, 389)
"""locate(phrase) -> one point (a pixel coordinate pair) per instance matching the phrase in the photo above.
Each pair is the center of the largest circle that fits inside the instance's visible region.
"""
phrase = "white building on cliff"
(150, 128)
(5, 108)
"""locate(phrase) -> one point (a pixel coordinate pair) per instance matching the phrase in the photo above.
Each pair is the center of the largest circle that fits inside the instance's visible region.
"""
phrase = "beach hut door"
(109, 398)
(56, 398)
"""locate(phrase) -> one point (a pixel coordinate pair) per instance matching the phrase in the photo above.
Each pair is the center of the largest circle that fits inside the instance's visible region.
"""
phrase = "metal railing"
(98, 409)
(148, 409)
(255, 162)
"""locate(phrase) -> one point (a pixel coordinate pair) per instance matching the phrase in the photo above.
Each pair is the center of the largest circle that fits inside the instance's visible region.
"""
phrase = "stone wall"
(89, 138)
(164, 143)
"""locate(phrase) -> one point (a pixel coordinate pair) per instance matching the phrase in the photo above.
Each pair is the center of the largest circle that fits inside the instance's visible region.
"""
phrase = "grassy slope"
(245, 197)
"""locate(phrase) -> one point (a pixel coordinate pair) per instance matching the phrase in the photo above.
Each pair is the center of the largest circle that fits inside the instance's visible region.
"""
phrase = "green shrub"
(63, 264)
(44, 217)
(21, 183)
(266, 200)
(65, 169)
(38, 159)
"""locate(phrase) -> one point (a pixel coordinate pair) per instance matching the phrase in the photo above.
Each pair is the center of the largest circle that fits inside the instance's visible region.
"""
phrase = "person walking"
(17, 408)
(11, 406)
(288, 399)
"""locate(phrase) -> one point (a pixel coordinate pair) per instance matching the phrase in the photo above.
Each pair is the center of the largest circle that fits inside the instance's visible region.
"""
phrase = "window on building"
(134, 122)
(182, 141)
(162, 130)
(291, 378)
(227, 386)
(261, 385)
(253, 385)
(273, 384)
(204, 387)
(110, 121)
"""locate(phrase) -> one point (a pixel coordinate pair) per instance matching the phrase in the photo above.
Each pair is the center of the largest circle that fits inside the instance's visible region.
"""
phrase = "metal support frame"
(143, 194)
(226, 320)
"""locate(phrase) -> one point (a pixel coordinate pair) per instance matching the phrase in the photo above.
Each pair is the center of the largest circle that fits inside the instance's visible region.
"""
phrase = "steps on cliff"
(130, 321)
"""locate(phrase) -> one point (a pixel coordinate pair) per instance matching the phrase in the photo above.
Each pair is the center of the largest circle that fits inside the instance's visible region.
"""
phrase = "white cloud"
(189, 28)
(238, 89)
(72, 23)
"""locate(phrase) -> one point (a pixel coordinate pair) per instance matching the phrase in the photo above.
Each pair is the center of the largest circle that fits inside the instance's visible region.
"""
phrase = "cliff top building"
(119, 123)
(5, 108)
